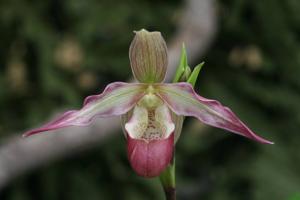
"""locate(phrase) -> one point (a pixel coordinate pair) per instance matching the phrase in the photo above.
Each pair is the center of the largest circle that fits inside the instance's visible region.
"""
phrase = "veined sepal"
(148, 57)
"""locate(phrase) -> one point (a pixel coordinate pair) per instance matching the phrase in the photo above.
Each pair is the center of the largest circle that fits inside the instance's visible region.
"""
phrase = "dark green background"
(54, 53)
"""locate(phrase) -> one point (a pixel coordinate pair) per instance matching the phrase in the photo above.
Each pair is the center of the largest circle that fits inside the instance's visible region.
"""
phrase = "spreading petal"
(117, 99)
(182, 100)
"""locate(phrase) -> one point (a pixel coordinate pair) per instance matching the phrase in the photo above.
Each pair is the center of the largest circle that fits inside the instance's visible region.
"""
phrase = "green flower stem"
(167, 179)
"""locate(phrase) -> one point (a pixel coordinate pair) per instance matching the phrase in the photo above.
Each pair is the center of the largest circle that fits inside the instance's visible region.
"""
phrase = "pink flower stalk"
(151, 110)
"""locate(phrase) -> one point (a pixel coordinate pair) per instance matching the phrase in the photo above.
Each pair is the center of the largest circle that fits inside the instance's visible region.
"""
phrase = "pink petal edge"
(113, 108)
(208, 111)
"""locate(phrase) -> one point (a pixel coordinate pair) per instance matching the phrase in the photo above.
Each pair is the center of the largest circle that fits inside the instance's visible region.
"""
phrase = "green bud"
(148, 57)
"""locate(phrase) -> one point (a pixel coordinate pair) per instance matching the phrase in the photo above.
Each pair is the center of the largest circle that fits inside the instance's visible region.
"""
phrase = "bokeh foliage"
(53, 53)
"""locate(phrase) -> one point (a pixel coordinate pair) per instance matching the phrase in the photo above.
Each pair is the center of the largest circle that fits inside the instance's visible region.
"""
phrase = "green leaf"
(183, 64)
(193, 77)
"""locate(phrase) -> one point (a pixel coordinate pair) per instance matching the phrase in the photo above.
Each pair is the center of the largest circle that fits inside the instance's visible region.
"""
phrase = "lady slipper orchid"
(151, 109)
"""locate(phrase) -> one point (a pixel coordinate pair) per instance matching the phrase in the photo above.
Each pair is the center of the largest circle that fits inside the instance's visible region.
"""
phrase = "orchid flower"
(151, 111)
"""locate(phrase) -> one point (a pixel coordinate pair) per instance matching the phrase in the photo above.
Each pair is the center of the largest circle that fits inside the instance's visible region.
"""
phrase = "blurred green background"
(54, 53)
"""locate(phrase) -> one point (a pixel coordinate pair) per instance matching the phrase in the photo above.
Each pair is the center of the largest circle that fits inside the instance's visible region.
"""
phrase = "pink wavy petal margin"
(225, 118)
(70, 118)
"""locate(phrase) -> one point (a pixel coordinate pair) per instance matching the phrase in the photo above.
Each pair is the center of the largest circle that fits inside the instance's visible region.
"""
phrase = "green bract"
(183, 72)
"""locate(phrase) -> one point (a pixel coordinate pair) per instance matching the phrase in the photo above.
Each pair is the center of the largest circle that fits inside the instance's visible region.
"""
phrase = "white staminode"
(150, 123)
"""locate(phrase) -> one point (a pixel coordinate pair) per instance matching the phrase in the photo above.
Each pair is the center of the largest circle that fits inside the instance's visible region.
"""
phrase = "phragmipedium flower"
(152, 112)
